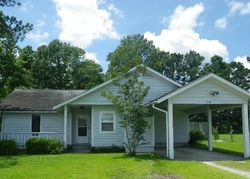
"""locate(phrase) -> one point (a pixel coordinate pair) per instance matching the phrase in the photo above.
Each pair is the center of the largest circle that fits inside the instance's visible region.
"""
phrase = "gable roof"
(200, 80)
(150, 70)
(36, 100)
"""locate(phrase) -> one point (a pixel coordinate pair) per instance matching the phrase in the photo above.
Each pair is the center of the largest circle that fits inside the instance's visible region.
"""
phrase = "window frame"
(39, 122)
(100, 122)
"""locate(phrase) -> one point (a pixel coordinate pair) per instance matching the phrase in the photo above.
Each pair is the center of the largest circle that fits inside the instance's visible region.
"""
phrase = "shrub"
(195, 136)
(8, 147)
(44, 146)
(55, 146)
(109, 149)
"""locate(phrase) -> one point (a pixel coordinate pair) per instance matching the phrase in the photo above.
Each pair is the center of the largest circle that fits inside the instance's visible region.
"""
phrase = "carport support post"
(245, 127)
(170, 130)
(65, 125)
(210, 135)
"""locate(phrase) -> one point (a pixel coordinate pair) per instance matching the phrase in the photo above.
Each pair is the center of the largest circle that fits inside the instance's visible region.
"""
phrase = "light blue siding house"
(86, 117)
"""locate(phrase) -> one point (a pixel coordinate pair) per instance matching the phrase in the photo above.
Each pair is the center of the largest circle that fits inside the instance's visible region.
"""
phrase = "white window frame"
(100, 122)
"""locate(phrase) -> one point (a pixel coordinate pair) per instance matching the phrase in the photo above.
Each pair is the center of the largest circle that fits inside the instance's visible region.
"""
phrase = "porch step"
(80, 148)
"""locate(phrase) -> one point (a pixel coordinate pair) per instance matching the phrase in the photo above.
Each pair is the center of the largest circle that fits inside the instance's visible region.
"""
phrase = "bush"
(110, 149)
(8, 147)
(44, 146)
(55, 146)
(195, 136)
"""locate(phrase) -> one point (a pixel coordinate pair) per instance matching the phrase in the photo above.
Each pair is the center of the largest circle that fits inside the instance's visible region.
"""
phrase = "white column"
(70, 127)
(210, 134)
(65, 125)
(167, 136)
(245, 127)
(170, 130)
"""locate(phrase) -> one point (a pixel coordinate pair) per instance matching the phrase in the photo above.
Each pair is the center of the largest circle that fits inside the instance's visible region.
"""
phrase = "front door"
(82, 129)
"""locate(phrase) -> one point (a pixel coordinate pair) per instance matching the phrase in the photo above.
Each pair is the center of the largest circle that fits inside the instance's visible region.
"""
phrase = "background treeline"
(60, 65)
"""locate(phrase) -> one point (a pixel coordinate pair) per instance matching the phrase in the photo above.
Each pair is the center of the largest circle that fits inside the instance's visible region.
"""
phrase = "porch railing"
(22, 138)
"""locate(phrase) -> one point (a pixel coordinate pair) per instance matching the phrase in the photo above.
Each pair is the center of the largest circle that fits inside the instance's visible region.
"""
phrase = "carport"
(203, 95)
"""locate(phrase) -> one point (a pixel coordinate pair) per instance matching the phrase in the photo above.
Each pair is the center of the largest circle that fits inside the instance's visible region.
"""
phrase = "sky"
(209, 27)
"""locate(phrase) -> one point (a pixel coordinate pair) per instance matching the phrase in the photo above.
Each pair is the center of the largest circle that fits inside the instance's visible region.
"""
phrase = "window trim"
(100, 122)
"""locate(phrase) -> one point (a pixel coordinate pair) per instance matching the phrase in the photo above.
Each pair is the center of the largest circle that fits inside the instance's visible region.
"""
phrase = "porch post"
(210, 134)
(65, 125)
(245, 127)
(170, 130)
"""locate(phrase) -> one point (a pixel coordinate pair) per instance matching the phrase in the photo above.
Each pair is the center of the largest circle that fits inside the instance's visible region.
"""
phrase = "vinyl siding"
(157, 87)
(180, 123)
(200, 94)
(52, 122)
(181, 133)
(16, 123)
(106, 139)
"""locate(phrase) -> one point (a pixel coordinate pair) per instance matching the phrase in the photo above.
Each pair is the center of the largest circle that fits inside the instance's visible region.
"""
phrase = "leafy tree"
(239, 75)
(86, 75)
(218, 66)
(12, 31)
(133, 50)
(129, 104)
(62, 66)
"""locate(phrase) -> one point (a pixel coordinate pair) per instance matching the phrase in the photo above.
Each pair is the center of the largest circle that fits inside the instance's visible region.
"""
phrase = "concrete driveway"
(194, 154)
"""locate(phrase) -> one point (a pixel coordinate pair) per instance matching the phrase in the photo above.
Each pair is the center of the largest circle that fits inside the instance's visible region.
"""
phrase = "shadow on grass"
(8, 161)
(228, 151)
(142, 156)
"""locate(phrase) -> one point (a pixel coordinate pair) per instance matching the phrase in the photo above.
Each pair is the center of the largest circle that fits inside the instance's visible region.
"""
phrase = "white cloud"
(40, 23)
(221, 23)
(243, 60)
(38, 36)
(180, 36)
(81, 22)
(115, 10)
(235, 7)
(92, 56)
(25, 6)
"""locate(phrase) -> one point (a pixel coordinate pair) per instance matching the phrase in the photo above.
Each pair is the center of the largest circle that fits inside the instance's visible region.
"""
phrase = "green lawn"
(241, 165)
(104, 166)
(235, 147)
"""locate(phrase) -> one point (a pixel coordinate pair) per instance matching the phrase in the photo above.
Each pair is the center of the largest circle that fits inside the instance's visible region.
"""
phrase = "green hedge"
(110, 149)
(44, 146)
(8, 147)
(195, 136)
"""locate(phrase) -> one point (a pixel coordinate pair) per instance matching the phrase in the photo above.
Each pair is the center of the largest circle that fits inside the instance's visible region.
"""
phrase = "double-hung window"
(107, 122)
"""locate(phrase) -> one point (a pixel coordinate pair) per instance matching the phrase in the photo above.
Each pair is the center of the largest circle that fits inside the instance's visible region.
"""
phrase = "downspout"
(167, 135)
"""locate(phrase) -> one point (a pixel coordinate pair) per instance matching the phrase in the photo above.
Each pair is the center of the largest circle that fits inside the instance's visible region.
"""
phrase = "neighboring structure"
(77, 116)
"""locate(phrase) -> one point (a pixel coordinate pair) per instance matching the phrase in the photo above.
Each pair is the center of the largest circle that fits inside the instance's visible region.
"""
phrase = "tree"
(62, 66)
(86, 75)
(239, 75)
(218, 66)
(133, 50)
(129, 104)
(12, 31)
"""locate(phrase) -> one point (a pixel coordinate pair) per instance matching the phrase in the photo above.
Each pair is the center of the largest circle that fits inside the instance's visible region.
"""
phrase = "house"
(78, 116)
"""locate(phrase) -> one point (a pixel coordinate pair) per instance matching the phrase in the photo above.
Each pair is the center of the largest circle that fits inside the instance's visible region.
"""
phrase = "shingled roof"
(36, 100)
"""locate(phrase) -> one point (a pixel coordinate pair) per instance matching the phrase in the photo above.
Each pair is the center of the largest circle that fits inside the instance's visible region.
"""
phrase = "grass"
(241, 165)
(104, 166)
(226, 146)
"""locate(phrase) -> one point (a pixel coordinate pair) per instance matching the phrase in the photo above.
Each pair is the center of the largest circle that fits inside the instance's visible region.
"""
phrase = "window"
(107, 121)
(82, 127)
(36, 122)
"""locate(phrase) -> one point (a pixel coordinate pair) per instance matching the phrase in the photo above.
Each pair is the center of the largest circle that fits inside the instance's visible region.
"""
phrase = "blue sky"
(208, 27)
